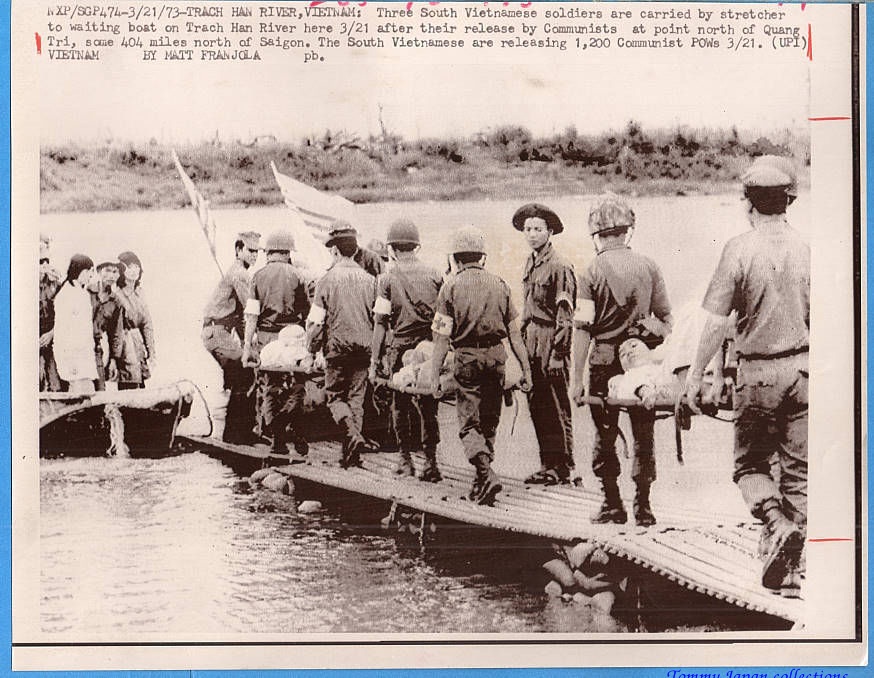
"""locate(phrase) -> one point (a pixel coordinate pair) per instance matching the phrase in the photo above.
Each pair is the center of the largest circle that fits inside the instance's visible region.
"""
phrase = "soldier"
(277, 299)
(764, 275)
(108, 321)
(224, 327)
(621, 295)
(475, 314)
(547, 327)
(368, 260)
(50, 281)
(341, 324)
(405, 303)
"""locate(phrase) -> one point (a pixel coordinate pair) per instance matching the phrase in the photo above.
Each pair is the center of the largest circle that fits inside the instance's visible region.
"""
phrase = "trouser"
(549, 403)
(227, 352)
(414, 418)
(345, 387)
(49, 379)
(770, 403)
(479, 396)
(281, 396)
(605, 461)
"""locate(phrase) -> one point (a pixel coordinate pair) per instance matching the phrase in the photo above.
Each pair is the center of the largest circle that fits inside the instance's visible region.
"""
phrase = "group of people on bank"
(364, 314)
(94, 325)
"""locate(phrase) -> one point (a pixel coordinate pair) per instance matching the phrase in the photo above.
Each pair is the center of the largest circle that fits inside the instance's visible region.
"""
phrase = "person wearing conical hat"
(621, 295)
(550, 289)
(474, 315)
(764, 275)
(224, 327)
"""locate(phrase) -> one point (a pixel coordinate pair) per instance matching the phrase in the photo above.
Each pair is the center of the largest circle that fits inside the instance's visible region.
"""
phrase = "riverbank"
(505, 162)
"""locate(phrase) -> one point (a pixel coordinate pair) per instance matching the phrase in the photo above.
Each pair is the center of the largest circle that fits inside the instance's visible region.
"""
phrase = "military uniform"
(223, 330)
(50, 282)
(278, 297)
(342, 306)
(107, 319)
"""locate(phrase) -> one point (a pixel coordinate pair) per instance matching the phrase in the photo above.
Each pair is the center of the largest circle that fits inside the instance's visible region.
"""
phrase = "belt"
(212, 322)
(487, 342)
(788, 353)
(541, 322)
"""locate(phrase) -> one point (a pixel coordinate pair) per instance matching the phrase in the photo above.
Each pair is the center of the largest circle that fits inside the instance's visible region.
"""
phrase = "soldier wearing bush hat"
(549, 286)
(474, 315)
(621, 294)
(764, 275)
(277, 298)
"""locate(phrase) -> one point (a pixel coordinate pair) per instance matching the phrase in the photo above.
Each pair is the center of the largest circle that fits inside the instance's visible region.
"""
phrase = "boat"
(139, 423)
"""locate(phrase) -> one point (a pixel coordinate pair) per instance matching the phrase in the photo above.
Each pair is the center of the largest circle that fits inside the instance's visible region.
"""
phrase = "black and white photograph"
(434, 322)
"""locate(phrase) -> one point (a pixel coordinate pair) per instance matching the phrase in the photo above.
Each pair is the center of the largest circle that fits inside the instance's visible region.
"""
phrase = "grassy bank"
(504, 162)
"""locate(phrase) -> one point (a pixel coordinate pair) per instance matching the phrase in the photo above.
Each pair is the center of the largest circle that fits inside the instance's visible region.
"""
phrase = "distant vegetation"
(506, 161)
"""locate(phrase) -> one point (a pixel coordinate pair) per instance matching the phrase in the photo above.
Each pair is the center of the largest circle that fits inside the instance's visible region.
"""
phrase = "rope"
(117, 446)
(205, 404)
(178, 416)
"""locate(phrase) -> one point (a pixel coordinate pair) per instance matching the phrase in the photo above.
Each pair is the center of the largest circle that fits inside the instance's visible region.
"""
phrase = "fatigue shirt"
(625, 287)
(281, 294)
(108, 318)
(228, 301)
(345, 297)
(407, 296)
(50, 282)
(548, 281)
(764, 274)
(370, 261)
(474, 308)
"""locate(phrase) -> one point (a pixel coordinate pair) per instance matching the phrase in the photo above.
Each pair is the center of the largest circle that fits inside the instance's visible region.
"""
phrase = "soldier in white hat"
(621, 295)
(764, 275)
(222, 335)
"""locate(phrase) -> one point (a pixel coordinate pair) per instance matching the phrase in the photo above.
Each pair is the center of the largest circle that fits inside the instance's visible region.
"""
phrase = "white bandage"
(316, 315)
(585, 313)
(382, 306)
(442, 325)
(253, 307)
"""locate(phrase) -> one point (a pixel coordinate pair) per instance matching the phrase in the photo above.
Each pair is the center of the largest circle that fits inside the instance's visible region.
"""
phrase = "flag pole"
(201, 208)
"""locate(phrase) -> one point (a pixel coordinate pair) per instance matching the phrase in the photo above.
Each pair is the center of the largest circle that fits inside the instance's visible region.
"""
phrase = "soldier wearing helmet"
(222, 335)
(621, 295)
(764, 275)
(406, 297)
(550, 290)
(340, 322)
(277, 299)
(474, 315)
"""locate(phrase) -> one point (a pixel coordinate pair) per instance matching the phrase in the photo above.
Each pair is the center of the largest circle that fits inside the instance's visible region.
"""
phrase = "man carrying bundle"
(621, 295)
(475, 314)
(764, 275)
(277, 299)
(547, 326)
(223, 331)
(405, 302)
(341, 325)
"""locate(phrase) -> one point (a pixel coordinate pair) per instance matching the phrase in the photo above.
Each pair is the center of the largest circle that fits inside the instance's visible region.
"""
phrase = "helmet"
(535, 210)
(610, 212)
(403, 231)
(280, 241)
(771, 171)
(469, 239)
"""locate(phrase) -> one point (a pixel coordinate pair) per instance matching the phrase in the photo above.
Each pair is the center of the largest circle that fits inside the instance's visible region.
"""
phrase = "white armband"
(253, 307)
(585, 313)
(442, 325)
(564, 297)
(316, 315)
(382, 306)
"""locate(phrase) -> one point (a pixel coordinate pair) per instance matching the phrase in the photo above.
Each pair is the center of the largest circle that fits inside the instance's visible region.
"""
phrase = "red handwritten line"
(809, 42)
(833, 117)
(818, 541)
(38, 43)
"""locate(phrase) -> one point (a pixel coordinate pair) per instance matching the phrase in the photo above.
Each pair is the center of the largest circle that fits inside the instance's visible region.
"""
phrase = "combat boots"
(780, 546)
(431, 473)
(612, 510)
(486, 484)
(352, 445)
(405, 466)
(643, 515)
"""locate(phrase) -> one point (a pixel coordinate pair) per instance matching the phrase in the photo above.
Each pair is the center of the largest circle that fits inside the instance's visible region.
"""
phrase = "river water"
(168, 546)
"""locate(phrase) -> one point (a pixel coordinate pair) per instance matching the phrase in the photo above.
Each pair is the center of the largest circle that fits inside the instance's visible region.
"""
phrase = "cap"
(534, 210)
(403, 231)
(340, 230)
(279, 241)
(469, 239)
(610, 212)
(251, 239)
(771, 171)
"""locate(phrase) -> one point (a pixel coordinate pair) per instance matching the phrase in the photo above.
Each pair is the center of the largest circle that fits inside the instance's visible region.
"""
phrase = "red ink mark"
(803, 5)
(409, 6)
(819, 541)
(833, 117)
(809, 42)
(38, 43)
